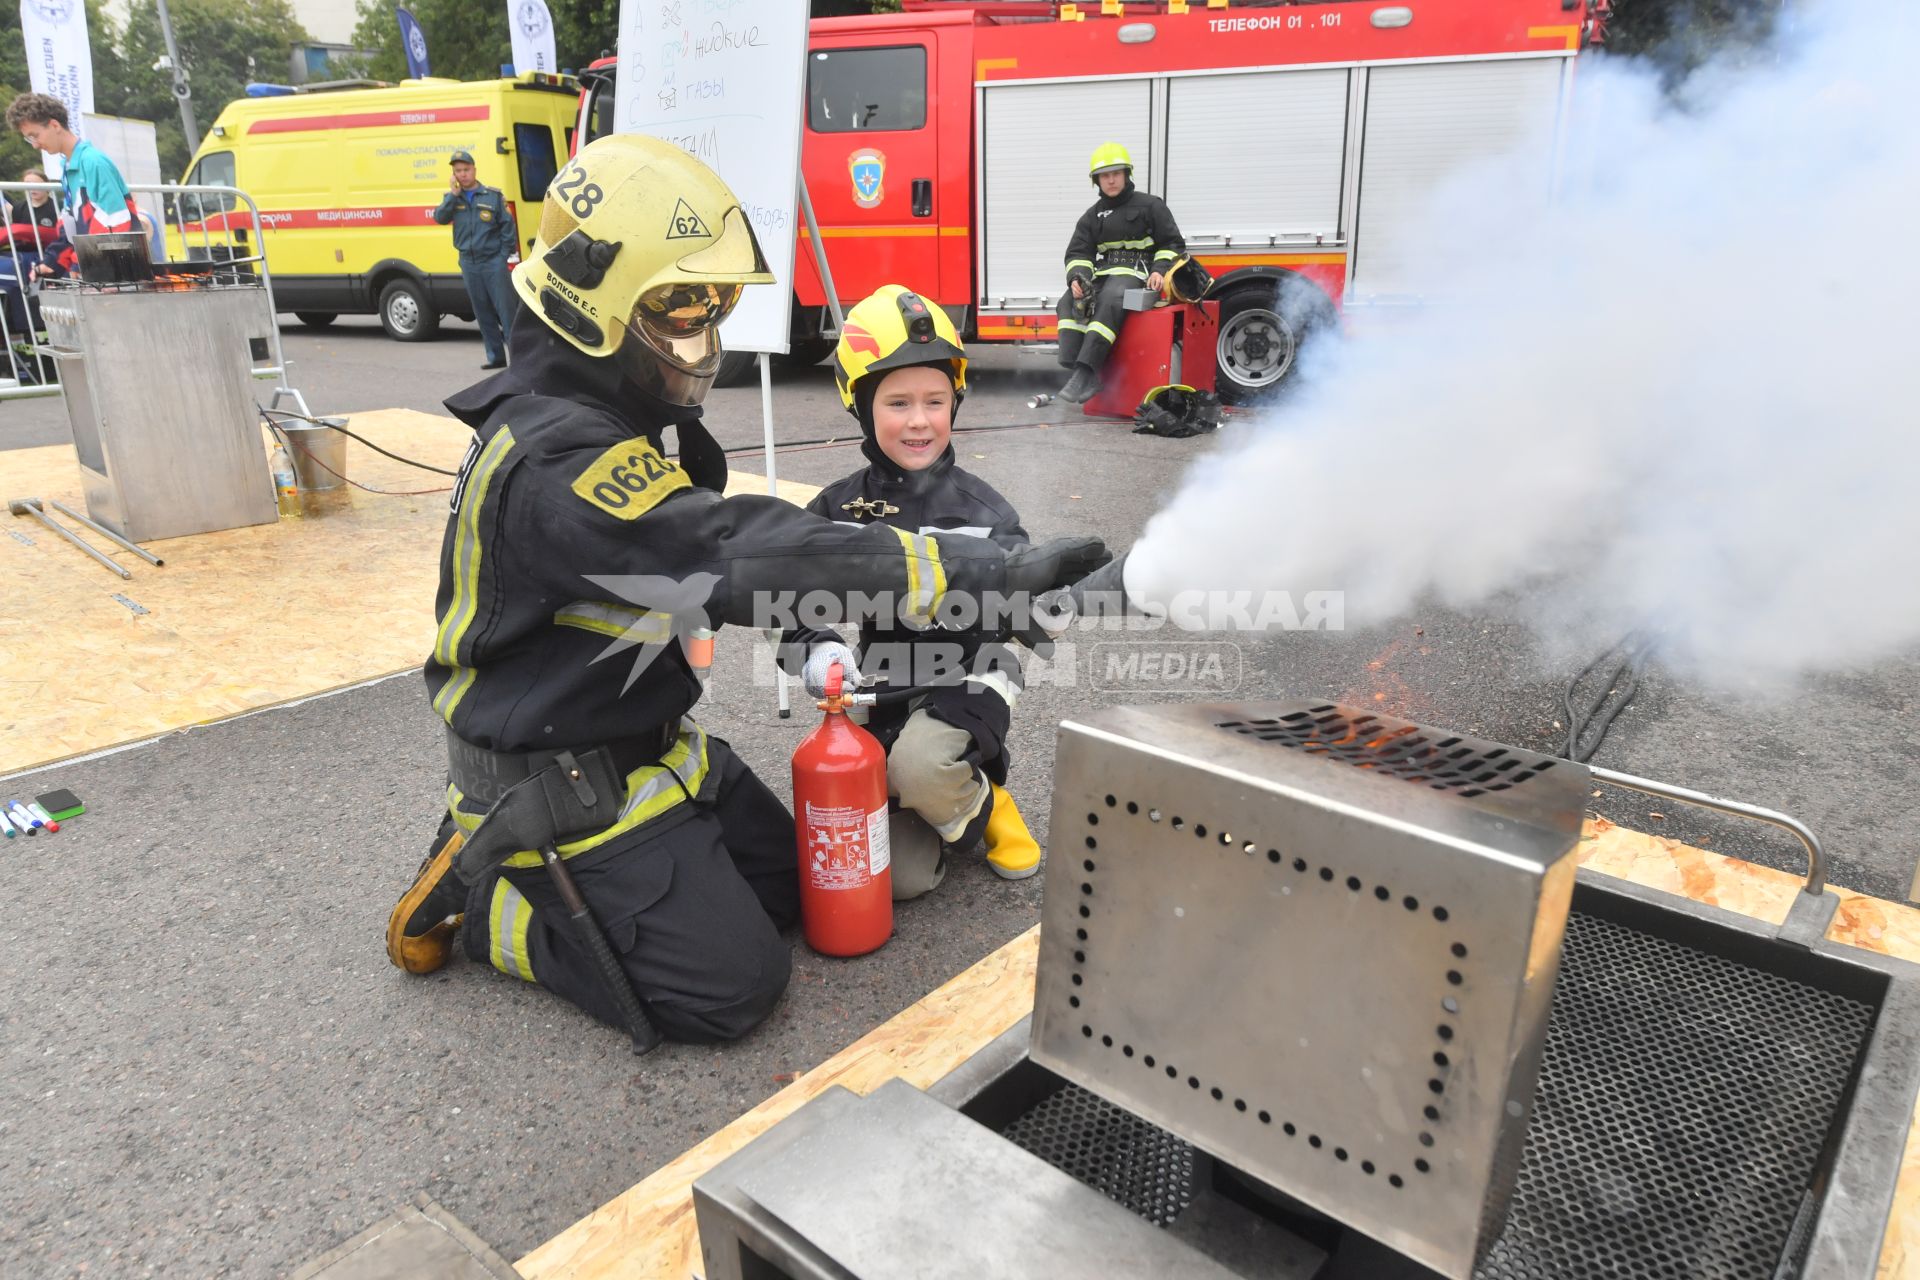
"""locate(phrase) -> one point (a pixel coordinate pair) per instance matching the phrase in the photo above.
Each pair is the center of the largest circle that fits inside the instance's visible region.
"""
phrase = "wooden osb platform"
(236, 620)
(648, 1232)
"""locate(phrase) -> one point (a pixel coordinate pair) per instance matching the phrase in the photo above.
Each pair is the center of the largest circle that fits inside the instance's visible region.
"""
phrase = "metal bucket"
(319, 455)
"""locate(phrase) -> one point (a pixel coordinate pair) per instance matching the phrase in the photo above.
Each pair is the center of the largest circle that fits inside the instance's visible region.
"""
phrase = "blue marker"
(22, 819)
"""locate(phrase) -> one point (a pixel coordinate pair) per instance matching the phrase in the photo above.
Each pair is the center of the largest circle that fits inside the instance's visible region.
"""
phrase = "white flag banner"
(59, 63)
(532, 28)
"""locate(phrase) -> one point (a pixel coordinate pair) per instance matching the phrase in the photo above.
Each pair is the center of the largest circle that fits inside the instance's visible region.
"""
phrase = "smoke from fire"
(1686, 395)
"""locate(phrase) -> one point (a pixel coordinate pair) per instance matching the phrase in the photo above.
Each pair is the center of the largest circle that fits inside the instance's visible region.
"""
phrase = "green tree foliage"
(224, 44)
(468, 40)
(1680, 35)
(109, 76)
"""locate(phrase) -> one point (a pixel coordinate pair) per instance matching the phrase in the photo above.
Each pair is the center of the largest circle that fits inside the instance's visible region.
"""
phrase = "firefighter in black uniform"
(946, 692)
(598, 841)
(1127, 240)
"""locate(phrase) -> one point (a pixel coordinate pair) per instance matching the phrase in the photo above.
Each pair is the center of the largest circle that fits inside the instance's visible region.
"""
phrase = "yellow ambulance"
(347, 180)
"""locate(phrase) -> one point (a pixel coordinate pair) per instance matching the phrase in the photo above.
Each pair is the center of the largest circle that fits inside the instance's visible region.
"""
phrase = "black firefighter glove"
(1055, 563)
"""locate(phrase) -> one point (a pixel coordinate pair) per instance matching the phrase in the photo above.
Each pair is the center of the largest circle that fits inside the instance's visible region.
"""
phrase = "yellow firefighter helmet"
(1106, 157)
(895, 328)
(641, 254)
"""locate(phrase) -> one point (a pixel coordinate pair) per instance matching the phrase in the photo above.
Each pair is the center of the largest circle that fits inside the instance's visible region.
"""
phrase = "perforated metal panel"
(1683, 1104)
(1684, 1100)
(1129, 1161)
(1333, 978)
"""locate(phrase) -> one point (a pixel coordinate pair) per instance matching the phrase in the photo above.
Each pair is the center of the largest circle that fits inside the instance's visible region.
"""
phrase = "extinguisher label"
(844, 851)
(879, 841)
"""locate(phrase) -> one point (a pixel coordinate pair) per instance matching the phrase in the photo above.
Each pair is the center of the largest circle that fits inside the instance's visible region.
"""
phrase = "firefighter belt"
(573, 800)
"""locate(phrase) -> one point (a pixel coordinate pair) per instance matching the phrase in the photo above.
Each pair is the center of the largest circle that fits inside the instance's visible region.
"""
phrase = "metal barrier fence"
(201, 230)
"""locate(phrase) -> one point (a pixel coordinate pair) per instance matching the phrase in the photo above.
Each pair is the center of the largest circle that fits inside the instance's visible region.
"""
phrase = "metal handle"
(923, 197)
(1816, 860)
(70, 536)
(142, 552)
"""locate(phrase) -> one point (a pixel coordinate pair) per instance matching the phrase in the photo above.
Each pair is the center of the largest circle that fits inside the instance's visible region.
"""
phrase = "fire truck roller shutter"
(1427, 124)
(1036, 178)
(1286, 167)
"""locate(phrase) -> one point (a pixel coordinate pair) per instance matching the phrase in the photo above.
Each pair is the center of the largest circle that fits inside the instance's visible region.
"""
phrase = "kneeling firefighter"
(949, 689)
(1127, 239)
(598, 841)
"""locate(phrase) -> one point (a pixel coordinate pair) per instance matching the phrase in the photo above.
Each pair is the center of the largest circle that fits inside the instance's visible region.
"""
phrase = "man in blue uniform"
(485, 234)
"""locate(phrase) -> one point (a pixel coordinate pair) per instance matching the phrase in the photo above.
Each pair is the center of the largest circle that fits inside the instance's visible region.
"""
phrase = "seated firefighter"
(947, 691)
(1127, 240)
(598, 841)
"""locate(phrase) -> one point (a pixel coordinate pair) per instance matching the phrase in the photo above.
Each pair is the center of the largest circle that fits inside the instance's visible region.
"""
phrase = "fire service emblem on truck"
(869, 169)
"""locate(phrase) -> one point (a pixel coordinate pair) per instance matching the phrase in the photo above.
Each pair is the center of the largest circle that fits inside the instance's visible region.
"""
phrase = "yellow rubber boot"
(426, 950)
(1011, 849)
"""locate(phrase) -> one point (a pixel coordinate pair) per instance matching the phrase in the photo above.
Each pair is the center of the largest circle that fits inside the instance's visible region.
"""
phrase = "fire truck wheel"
(807, 352)
(316, 319)
(737, 368)
(1262, 326)
(404, 312)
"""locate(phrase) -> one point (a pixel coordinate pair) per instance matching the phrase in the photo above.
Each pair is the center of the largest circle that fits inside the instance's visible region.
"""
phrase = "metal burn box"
(1319, 945)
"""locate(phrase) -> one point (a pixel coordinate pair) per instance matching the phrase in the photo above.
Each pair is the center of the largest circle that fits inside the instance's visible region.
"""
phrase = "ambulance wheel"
(404, 312)
(316, 319)
(737, 368)
(1263, 325)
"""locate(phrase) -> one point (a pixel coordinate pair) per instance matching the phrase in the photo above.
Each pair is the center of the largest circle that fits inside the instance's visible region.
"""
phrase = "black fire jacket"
(577, 552)
(1132, 233)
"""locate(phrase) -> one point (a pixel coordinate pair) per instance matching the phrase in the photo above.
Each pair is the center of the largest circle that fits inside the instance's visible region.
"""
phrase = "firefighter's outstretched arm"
(630, 511)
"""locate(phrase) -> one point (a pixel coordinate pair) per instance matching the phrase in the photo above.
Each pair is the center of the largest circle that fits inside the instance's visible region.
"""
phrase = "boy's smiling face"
(913, 416)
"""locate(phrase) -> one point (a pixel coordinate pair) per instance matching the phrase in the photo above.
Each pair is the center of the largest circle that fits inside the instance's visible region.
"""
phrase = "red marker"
(44, 816)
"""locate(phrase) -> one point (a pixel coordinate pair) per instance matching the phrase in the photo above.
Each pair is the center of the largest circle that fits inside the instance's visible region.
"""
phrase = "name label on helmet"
(629, 480)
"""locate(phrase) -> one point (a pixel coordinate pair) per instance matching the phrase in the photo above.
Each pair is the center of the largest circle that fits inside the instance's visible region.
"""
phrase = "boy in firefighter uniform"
(947, 693)
(598, 841)
(1127, 240)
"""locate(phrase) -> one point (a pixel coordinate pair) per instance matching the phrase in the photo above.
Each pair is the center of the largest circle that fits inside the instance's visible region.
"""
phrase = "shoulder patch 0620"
(629, 480)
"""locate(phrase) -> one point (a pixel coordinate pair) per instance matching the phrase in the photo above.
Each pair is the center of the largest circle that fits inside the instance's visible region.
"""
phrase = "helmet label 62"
(686, 225)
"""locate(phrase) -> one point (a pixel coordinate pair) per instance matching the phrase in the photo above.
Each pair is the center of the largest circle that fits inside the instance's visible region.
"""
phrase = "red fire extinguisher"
(840, 818)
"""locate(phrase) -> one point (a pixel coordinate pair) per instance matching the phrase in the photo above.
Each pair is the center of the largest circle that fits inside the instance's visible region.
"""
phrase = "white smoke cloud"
(1685, 395)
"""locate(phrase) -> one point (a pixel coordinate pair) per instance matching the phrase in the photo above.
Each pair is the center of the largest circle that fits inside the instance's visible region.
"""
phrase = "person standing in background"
(485, 235)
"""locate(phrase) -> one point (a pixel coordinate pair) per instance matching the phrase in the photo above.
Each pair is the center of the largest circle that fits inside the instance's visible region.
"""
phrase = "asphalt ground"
(209, 1068)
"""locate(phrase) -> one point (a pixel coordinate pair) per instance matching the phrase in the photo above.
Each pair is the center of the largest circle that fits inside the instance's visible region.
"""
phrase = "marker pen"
(23, 823)
(25, 820)
(6, 826)
(40, 813)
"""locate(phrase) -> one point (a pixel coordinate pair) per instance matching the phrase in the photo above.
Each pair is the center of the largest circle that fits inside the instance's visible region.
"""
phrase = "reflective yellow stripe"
(641, 626)
(1078, 262)
(1121, 271)
(1102, 330)
(1145, 242)
(913, 571)
(926, 576)
(1168, 254)
(1073, 325)
(466, 575)
(508, 919)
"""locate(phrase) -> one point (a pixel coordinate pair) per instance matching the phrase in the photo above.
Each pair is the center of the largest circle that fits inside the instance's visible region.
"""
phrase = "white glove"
(821, 659)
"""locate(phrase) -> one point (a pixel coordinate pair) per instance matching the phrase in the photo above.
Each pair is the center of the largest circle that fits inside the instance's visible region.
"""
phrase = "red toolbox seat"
(1172, 344)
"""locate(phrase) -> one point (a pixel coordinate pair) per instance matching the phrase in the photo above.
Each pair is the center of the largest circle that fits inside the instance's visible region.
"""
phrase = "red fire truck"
(946, 147)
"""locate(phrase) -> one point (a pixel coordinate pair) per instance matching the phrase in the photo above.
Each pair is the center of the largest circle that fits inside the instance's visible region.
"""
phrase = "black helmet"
(1177, 411)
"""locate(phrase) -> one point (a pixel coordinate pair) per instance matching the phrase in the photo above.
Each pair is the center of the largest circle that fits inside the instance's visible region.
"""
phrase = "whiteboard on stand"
(724, 81)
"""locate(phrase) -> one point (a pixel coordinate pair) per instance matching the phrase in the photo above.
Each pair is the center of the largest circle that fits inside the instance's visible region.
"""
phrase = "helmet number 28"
(582, 197)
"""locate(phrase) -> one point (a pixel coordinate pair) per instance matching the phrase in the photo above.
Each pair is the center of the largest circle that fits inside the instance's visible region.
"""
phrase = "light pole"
(182, 91)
